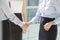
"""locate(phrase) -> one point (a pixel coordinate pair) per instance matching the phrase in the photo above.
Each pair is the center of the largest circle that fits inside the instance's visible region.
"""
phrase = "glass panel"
(31, 13)
(33, 30)
(32, 2)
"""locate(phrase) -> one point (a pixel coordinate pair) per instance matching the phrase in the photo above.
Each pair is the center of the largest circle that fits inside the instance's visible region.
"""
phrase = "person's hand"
(48, 25)
(28, 23)
(24, 27)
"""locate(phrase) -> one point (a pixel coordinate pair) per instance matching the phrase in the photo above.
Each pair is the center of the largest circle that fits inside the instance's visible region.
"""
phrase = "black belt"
(47, 19)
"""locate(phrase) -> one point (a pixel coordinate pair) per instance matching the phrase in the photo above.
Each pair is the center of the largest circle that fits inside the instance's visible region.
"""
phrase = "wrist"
(52, 23)
(30, 23)
(22, 24)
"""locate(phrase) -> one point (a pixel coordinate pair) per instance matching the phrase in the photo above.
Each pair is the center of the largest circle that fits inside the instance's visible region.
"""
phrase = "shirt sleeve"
(57, 19)
(39, 12)
(37, 16)
(10, 15)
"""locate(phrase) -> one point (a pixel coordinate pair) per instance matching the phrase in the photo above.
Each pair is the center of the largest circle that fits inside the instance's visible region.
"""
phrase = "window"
(32, 2)
(33, 31)
(32, 6)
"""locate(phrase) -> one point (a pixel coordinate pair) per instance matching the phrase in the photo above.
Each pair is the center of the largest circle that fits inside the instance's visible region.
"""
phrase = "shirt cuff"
(56, 22)
(20, 24)
(31, 21)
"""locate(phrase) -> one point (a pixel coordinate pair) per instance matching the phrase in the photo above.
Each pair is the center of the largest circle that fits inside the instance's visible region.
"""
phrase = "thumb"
(24, 31)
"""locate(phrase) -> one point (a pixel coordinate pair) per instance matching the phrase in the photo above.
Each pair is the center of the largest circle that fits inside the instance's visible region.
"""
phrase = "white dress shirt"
(16, 6)
(48, 8)
(6, 13)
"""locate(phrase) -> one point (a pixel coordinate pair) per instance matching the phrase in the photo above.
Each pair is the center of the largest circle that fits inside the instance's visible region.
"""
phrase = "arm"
(38, 13)
(24, 16)
(36, 17)
(57, 20)
(8, 12)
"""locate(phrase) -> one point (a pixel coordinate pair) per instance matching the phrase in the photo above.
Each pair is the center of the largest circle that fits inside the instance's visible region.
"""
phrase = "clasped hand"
(47, 26)
(25, 26)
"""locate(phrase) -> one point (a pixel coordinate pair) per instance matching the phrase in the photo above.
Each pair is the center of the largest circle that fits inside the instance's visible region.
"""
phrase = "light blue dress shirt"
(6, 13)
(48, 8)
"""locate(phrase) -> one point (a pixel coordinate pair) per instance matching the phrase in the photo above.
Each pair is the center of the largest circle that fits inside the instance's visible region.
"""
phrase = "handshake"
(25, 26)
(47, 26)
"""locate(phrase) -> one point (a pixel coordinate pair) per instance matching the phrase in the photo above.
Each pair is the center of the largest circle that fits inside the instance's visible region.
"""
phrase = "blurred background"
(33, 31)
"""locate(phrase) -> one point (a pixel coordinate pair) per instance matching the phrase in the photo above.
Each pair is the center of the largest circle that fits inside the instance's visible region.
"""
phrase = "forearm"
(36, 17)
(15, 20)
(24, 15)
(11, 16)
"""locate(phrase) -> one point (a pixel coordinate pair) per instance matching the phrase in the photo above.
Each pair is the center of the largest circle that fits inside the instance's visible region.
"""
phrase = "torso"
(51, 8)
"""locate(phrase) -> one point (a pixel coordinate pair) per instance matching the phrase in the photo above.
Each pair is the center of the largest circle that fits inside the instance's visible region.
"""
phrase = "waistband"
(46, 19)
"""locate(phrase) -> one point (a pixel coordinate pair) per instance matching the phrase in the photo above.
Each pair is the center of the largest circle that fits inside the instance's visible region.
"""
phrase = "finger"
(46, 28)
(24, 31)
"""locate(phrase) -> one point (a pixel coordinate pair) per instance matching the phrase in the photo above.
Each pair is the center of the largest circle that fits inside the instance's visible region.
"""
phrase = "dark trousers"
(12, 31)
(47, 35)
